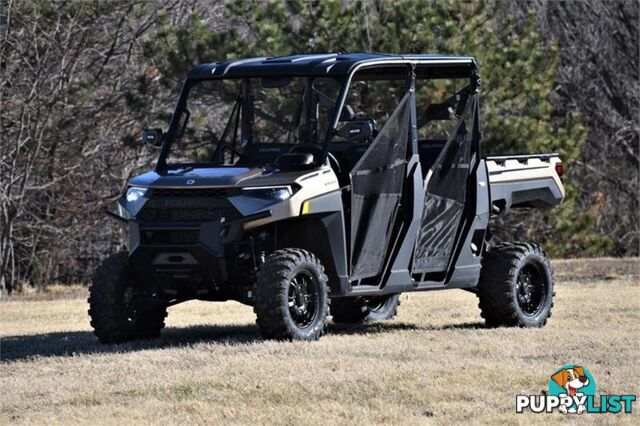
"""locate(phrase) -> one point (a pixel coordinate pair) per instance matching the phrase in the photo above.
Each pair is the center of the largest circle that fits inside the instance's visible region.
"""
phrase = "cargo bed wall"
(524, 181)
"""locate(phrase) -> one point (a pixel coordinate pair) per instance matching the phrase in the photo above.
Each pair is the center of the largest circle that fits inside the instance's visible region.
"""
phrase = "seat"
(429, 149)
(348, 154)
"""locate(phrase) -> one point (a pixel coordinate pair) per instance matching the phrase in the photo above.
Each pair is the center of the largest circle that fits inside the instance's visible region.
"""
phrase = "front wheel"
(516, 286)
(291, 300)
(118, 308)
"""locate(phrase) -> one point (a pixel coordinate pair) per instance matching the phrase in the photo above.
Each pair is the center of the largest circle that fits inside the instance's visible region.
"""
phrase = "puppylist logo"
(572, 390)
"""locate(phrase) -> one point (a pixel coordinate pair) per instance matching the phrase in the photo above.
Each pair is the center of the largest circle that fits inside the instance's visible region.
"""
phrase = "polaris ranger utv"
(325, 184)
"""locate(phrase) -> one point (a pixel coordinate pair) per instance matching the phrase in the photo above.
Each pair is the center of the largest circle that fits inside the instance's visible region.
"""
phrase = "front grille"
(188, 205)
(153, 214)
(188, 192)
(170, 237)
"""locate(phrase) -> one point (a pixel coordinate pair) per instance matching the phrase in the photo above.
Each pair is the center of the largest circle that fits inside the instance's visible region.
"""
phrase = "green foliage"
(573, 230)
(517, 68)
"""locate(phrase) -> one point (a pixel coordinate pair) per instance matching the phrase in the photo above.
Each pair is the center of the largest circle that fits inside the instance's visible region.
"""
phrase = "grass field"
(435, 363)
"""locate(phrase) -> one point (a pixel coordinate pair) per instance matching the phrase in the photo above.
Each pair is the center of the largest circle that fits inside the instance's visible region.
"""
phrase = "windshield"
(251, 121)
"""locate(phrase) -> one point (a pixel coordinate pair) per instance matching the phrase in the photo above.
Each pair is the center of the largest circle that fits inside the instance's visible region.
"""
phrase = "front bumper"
(181, 260)
(186, 260)
(182, 242)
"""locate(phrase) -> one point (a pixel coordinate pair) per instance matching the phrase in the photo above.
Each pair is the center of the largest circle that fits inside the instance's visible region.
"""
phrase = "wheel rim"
(303, 299)
(531, 289)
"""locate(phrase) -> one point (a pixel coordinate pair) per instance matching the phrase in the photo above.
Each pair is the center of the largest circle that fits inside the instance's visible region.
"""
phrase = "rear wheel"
(360, 309)
(119, 310)
(291, 300)
(516, 286)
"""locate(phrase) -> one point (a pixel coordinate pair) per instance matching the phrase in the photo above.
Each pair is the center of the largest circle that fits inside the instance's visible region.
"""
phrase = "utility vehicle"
(325, 184)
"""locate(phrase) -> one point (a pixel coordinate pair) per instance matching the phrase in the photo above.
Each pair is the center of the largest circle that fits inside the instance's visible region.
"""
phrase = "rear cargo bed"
(524, 181)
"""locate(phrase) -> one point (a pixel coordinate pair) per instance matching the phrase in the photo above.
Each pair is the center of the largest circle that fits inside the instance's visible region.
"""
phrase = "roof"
(322, 64)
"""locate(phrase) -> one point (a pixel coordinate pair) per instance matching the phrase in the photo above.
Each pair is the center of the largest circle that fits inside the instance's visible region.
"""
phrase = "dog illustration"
(571, 379)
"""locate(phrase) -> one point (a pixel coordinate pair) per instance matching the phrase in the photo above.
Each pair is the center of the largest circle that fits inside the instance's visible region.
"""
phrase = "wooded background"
(79, 80)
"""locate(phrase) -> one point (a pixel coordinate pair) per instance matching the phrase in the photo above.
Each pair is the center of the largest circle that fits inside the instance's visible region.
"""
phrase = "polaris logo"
(191, 181)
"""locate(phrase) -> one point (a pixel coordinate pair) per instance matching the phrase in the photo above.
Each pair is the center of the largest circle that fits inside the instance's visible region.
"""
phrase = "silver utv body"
(408, 215)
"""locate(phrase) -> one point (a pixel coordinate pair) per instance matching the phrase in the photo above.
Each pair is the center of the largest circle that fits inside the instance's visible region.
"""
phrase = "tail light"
(559, 169)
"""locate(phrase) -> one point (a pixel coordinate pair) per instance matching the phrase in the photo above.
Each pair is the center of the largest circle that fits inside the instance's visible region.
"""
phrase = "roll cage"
(340, 67)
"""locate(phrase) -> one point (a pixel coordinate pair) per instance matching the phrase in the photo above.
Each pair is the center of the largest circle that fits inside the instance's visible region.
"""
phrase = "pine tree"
(517, 71)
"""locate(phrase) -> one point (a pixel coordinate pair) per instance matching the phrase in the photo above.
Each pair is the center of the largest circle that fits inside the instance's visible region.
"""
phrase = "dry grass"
(51, 292)
(433, 364)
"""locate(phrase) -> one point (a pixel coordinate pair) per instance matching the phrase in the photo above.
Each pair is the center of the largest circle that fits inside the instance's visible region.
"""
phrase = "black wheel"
(516, 286)
(291, 298)
(118, 309)
(382, 307)
(360, 309)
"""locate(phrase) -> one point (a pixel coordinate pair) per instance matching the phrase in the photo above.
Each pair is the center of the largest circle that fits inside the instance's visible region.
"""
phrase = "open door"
(446, 191)
(376, 188)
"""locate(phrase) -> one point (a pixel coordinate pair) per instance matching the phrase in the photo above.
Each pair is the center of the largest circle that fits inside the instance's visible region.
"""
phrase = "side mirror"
(152, 137)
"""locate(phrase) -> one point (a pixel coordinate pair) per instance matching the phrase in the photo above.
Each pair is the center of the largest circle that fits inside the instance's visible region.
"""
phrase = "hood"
(215, 177)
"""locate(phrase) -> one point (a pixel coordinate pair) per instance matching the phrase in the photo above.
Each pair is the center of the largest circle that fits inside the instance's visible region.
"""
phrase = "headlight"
(133, 200)
(257, 198)
(134, 194)
(279, 193)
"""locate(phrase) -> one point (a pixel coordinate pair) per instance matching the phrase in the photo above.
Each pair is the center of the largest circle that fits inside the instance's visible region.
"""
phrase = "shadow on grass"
(461, 326)
(387, 327)
(14, 348)
(370, 328)
(72, 343)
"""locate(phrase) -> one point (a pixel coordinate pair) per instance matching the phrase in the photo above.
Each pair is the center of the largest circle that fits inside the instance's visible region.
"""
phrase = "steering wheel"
(316, 151)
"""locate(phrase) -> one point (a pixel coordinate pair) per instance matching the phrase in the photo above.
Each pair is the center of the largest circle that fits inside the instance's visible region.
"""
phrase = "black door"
(446, 192)
(376, 188)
